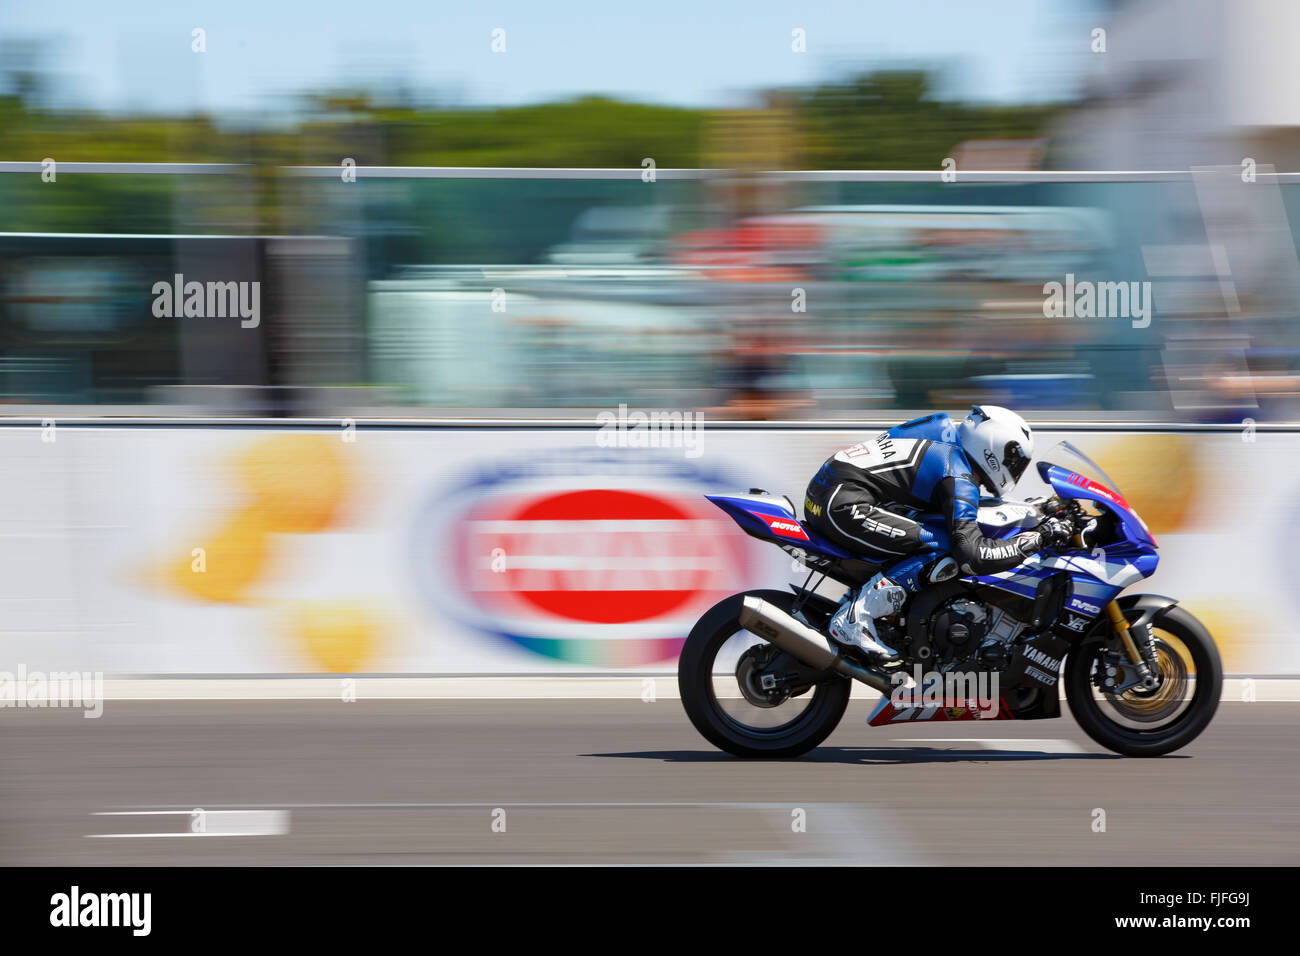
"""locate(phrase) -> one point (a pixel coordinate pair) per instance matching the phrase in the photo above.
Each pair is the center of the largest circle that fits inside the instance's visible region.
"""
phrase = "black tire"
(695, 682)
(1165, 738)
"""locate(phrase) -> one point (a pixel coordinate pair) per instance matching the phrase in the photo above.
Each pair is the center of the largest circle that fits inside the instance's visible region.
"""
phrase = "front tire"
(1142, 724)
(700, 675)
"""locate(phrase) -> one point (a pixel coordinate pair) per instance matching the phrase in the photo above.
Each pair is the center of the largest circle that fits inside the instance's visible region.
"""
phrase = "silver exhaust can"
(805, 644)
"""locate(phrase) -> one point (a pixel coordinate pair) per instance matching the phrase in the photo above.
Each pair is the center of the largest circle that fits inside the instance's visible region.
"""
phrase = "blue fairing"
(771, 519)
(780, 527)
(1023, 580)
(1069, 484)
(1097, 575)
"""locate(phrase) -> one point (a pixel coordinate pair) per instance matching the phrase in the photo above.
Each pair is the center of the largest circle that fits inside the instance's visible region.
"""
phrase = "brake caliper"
(1116, 673)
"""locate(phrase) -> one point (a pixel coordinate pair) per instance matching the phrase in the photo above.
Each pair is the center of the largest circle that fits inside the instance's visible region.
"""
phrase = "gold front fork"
(1117, 618)
(1120, 624)
(1118, 621)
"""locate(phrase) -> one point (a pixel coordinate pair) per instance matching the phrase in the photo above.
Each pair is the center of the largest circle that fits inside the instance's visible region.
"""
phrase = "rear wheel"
(719, 675)
(1148, 723)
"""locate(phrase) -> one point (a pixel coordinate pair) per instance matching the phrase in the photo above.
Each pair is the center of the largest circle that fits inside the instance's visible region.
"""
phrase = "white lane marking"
(515, 687)
(141, 836)
(579, 562)
(855, 835)
(215, 823)
(1016, 744)
(558, 805)
(622, 686)
(837, 833)
(586, 526)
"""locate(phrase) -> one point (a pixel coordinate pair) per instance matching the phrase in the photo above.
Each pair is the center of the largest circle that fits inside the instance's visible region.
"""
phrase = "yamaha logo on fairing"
(1047, 670)
(1038, 657)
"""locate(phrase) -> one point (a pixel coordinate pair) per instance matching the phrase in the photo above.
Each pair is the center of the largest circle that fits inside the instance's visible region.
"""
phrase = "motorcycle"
(759, 676)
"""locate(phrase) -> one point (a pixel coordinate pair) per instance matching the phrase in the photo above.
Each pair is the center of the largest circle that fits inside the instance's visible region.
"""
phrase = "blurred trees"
(887, 120)
(878, 120)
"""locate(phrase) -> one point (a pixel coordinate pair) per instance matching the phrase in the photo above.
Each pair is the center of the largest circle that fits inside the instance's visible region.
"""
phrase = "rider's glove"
(1029, 542)
(1055, 531)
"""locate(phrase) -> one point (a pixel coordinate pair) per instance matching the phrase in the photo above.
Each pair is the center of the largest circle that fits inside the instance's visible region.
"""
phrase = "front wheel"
(719, 676)
(1140, 722)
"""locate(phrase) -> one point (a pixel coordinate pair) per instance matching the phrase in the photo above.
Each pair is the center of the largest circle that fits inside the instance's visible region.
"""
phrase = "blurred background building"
(775, 265)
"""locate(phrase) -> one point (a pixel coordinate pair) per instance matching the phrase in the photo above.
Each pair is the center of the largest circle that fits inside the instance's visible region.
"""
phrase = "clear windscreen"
(1066, 455)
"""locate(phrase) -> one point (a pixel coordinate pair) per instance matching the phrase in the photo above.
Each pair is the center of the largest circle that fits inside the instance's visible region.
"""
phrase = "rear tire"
(695, 681)
(1167, 737)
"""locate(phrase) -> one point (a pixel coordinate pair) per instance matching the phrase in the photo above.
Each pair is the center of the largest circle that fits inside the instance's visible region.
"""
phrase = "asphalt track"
(619, 781)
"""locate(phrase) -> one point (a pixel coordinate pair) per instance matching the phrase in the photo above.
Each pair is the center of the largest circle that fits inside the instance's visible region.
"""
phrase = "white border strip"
(134, 169)
(587, 424)
(517, 687)
(634, 173)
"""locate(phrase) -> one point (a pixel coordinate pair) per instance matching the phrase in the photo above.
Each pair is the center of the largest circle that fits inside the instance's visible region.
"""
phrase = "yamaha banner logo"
(588, 557)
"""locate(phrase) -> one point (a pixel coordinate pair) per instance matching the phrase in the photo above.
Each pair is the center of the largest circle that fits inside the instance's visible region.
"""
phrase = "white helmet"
(999, 445)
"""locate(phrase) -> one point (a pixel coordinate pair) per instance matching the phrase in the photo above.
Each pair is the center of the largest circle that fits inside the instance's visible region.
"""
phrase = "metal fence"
(482, 292)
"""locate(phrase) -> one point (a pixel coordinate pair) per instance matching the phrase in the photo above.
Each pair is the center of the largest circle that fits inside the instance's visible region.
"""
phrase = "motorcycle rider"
(861, 496)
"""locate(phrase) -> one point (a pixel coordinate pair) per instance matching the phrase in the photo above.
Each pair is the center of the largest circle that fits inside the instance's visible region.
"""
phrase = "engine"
(966, 631)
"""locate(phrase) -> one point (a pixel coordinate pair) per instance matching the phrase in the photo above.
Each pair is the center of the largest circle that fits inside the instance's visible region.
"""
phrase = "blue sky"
(136, 53)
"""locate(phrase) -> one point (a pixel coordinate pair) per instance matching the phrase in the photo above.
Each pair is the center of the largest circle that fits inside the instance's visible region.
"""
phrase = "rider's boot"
(854, 622)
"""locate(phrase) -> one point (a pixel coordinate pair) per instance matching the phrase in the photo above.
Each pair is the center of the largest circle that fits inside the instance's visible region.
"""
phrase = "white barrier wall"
(265, 550)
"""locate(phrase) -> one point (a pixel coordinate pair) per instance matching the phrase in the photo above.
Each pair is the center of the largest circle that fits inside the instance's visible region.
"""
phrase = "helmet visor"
(1014, 460)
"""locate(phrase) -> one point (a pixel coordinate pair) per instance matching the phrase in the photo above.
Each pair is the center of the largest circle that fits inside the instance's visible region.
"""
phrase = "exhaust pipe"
(803, 643)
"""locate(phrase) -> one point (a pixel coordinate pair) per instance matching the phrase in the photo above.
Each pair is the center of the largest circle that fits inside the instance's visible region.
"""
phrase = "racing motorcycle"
(759, 677)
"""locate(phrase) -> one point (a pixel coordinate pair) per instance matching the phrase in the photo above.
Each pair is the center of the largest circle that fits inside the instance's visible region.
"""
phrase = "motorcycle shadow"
(867, 756)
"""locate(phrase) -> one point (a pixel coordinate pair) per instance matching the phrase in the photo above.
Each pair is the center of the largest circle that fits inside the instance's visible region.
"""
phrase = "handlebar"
(1068, 510)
